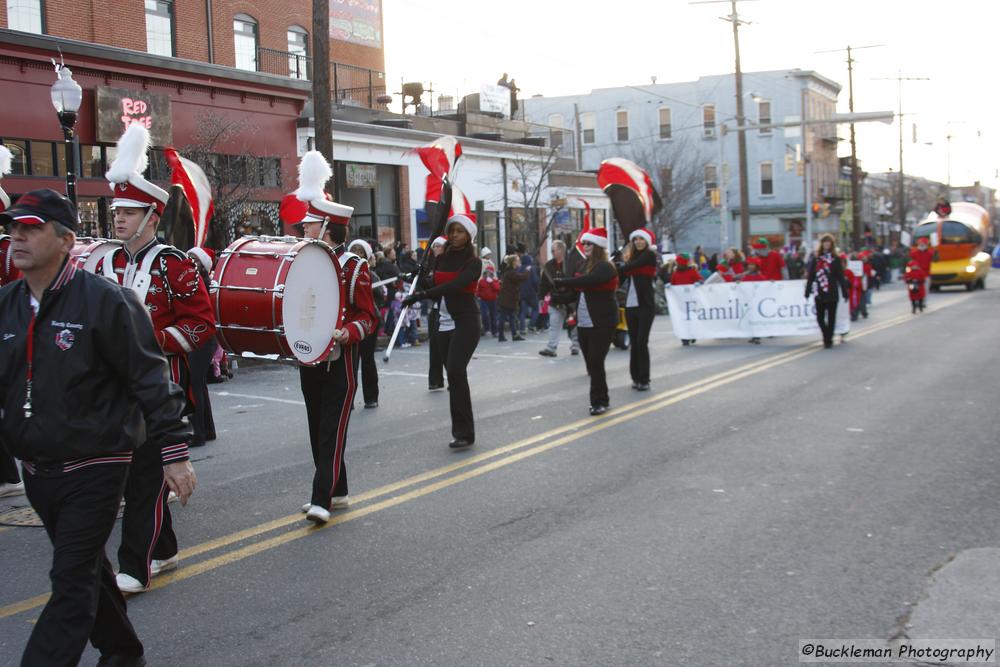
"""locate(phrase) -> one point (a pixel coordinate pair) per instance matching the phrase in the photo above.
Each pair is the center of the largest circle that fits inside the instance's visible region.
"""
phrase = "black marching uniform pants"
(8, 469)
(457, 347)
(147, 527)
(328, 390)
(826, 316)
(369, 370)
(79, 509)
(595, 343)
(202, 422)
(639, 321)
(435, 372)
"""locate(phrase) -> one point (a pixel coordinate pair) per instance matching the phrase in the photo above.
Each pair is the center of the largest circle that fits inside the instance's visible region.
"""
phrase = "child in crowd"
(488, 290)
(509, 299)
(916, 285)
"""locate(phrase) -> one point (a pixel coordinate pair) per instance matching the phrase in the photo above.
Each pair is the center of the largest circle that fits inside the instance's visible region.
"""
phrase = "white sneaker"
(11, 489)
(129, 584)
(160, 566)
(317, 514)
(336, 503)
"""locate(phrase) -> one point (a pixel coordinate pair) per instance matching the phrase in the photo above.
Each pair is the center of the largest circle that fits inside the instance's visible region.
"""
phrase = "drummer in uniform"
(10, 477)
(168, 282)
(329, 388)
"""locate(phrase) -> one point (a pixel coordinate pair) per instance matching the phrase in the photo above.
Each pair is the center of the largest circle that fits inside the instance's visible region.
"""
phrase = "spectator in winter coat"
(562, 301)
(509, 298)
(488, 290)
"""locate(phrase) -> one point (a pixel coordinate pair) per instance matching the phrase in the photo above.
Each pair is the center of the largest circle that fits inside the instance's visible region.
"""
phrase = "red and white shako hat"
(467, 222)
(6, 166)
(643, 233)
(310, 203)
(131, 190)
(597, 235)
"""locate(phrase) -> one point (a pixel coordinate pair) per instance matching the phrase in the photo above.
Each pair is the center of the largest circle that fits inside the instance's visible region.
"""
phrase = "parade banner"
(747, 310)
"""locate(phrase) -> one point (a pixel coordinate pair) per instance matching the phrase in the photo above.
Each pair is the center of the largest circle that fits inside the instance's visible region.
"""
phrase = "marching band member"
(685, 274)
(596, 312)
(456, 274)
(640, 305)
(168, 282)
(435, 371)
(329, 388)
(10, 478)
(366, 349)
(200, 360)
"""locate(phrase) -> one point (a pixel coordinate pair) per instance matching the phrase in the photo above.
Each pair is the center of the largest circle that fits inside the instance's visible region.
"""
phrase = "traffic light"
(816, 207)
(789, 162)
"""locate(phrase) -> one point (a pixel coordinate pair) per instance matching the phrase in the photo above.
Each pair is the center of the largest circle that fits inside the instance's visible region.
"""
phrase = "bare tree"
(529, 179)
(234, 177)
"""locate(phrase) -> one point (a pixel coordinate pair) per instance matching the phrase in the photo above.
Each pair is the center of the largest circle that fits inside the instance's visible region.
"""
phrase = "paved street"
(759, 495)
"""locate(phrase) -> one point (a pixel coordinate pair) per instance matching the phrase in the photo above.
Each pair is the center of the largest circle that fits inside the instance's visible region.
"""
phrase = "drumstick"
(399, 322)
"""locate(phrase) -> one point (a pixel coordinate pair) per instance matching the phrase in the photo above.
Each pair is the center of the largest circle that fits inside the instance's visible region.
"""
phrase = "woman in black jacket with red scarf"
(596, 312)
(826, 274)
(456, 275)
(640, 306)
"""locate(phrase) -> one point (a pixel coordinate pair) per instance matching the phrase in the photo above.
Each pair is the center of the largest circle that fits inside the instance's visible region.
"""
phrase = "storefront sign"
(118, 108)
(746, 310)
(494, 99)
(361, 176)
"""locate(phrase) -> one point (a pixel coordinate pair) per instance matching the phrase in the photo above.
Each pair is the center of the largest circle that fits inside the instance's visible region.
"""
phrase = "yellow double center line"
(490, 460)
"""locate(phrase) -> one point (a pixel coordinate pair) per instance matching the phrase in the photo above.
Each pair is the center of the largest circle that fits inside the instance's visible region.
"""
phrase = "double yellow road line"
(473, 466)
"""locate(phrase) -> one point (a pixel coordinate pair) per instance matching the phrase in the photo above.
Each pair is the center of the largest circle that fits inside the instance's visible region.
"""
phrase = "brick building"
(184, 68)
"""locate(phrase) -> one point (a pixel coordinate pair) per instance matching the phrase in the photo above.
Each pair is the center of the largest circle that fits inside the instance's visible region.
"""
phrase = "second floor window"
(160, 27)
(245, 42)
(711, 180)
(25, 15)
(766, 178)
(621, 119)
(708, 116)
(297, 52)
(589, 122)
(764, 115)
(666, 130)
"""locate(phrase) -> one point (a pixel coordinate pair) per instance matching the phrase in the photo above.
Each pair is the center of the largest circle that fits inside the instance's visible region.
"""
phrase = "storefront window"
(19, 151)
(90, 162)
(42, 163)
(90, 224)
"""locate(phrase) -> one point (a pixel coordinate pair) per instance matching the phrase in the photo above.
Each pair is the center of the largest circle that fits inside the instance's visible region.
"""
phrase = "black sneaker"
(461, 443)
(598, 410)
(641, 386)
(575, 352)
(518, 338)
(547, 352)
(435, 387)
(371, 404)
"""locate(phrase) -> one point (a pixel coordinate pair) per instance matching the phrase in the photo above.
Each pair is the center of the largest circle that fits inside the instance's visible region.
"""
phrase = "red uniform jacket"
(923, 258)
(8, 273)
(686, 276)
(360, 313)
(857, 288)
(488, 289)
(771, 265)
(916, 281)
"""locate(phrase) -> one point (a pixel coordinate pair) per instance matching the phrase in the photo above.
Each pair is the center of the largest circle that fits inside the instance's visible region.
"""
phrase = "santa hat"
(310, 203)
(923, 239)
(439, 241)
(598, 236)
(204, 256)
(125, 174)
(643, 233)
(6, 166)
(364, 245)
(683, 259)
(722, 266)
(467, 223)
(485, 252)
(760, 244)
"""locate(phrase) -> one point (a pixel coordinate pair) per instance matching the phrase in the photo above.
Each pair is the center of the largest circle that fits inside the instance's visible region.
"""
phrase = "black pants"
(640, 321)
(79, 510)
(147, 528)
(329, 396)
(435, 371)
(826, 316)
(8, 469)
(457, 347)
(595, 343)
(369, 370)
(202, 422)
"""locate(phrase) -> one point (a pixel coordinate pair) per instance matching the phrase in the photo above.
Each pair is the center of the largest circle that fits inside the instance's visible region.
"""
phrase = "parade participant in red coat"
(329, 388)
(727, 273)
(772, 264)
(923, 255)
(168, 282)
(685, 273)
(10, 478)
(916, 284)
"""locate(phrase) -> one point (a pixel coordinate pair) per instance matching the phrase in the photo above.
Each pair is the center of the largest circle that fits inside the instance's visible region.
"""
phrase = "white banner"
(747, 310)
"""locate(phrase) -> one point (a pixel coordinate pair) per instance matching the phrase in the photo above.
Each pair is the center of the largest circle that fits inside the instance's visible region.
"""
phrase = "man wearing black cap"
(82, 383)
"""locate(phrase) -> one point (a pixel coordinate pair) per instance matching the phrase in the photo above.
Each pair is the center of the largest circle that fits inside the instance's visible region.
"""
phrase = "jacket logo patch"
(65, 339)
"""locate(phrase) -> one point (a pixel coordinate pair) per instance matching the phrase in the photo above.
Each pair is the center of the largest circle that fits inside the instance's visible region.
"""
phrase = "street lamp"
(66, 98)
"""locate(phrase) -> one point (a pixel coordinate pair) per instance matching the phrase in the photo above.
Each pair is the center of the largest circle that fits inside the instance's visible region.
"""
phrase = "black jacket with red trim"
(598, 288)
(455, 278)
(356, 297)
(100, 383)
(641, 271)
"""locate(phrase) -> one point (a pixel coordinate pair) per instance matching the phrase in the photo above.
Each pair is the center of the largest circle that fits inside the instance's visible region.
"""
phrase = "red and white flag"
(197, 189)
(631, 191)
(440, 155)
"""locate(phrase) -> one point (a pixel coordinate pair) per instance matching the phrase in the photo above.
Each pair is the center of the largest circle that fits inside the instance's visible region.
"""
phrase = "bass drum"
(278, 297)
(88, 252)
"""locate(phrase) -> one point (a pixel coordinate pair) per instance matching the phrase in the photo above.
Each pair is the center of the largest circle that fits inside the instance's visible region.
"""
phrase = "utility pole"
(734, 18)
(322, 98)
(901, 196)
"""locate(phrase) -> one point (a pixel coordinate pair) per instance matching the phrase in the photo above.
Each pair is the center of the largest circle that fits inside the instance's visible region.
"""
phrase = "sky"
(563, 47)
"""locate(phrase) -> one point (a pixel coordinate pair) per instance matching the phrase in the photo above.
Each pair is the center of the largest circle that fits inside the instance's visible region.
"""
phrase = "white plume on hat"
(6, 161)
(314, 172)
(131, 157)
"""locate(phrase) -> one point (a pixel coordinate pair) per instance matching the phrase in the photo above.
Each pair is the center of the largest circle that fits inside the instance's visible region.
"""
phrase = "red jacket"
(488, 289)
(685, 276)
(916, 281)
(771, 265)
(923, 258)
(360, 314)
